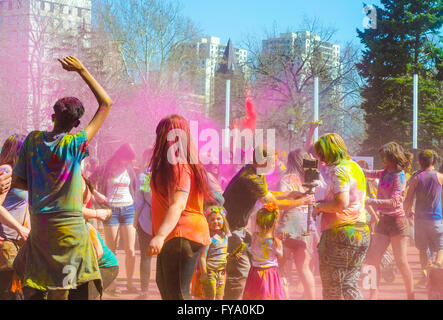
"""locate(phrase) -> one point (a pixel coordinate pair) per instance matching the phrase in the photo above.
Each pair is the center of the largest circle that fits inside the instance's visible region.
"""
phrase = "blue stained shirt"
(50, 164)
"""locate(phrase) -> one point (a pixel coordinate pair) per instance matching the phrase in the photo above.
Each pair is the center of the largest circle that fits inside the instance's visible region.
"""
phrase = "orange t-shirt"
(192, 224)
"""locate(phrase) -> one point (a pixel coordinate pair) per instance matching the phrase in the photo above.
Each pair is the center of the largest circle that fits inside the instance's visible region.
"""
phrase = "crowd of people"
(215, 237)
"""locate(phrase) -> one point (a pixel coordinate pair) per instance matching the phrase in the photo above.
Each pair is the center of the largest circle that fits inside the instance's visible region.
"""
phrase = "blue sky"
(236, 18)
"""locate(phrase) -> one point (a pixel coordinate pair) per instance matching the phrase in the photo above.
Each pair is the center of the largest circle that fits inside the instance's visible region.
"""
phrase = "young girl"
(263, 281)
(392, 226)
(211, 269)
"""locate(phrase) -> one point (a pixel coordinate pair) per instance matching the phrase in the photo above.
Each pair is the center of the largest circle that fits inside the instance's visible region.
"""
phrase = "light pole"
(316, 106)
(415, 113)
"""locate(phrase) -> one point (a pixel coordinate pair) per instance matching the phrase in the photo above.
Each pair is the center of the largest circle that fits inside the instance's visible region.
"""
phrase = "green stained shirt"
(50, 164)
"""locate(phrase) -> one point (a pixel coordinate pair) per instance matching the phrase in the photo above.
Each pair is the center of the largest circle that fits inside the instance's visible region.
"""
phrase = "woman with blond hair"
(345, 234)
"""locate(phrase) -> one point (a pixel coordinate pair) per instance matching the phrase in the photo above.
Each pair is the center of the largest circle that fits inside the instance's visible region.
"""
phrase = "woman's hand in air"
(71, 63)
(156, 245)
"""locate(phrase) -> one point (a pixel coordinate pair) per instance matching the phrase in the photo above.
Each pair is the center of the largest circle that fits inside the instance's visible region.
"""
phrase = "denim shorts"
(429, 234)
(121, 216)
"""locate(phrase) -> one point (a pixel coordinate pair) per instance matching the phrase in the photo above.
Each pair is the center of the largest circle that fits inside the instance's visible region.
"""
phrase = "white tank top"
(118, 190)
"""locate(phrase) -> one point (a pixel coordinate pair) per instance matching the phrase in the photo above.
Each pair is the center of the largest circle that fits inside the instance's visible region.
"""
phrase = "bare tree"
(283, 71)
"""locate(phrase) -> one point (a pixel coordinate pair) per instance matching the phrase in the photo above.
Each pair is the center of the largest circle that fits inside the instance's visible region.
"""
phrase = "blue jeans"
(145, 260)
(121, 216)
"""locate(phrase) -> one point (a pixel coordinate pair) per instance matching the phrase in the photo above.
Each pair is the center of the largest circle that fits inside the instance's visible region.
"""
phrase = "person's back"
(244, 190)
(59, 255)
(428, 196)
(263, 252)
(51, 167)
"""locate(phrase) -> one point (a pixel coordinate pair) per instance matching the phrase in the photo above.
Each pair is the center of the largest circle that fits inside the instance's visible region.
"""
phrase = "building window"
(79, 12)
(42, 5)
(51, 7)
(10, 5)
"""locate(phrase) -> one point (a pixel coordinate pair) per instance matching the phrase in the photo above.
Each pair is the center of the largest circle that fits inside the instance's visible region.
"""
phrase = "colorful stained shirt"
(347, 176)
(50, 164)
(192, 224)
(428, 204)
(263, 251)
(390, 191)
(216, 253)
(241, 195)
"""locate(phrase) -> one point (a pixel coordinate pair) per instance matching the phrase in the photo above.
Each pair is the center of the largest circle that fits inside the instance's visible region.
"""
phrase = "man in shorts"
(426, 187)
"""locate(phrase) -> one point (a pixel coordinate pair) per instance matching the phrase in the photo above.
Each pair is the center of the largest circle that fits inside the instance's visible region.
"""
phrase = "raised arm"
(104, 101)
(310, 136)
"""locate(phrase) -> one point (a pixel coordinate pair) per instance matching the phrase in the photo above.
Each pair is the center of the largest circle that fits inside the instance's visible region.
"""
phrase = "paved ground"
(388, 291)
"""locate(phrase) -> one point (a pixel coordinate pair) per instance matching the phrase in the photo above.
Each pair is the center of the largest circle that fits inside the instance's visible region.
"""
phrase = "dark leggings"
(175, 267)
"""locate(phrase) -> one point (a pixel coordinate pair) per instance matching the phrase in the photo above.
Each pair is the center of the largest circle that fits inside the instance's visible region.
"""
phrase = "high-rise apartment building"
(211, 51)
(33, 34)
(305, 42)
(306, 45)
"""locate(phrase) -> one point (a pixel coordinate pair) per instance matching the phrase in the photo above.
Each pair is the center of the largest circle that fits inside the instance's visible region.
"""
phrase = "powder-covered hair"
(267, 217)
(427, 157)
(331, 149)
(164, 172)
(67, 111)
(11, 149)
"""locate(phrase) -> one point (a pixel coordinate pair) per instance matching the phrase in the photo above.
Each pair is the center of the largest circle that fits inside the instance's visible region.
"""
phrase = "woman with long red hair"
(179, 185)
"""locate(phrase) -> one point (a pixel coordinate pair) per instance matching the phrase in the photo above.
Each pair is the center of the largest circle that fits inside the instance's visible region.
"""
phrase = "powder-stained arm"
(372, 174)
(104, 101)
(410, 196)
(397, 196)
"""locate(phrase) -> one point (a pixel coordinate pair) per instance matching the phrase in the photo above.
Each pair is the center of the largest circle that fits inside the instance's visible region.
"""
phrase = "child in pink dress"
(263, 281)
